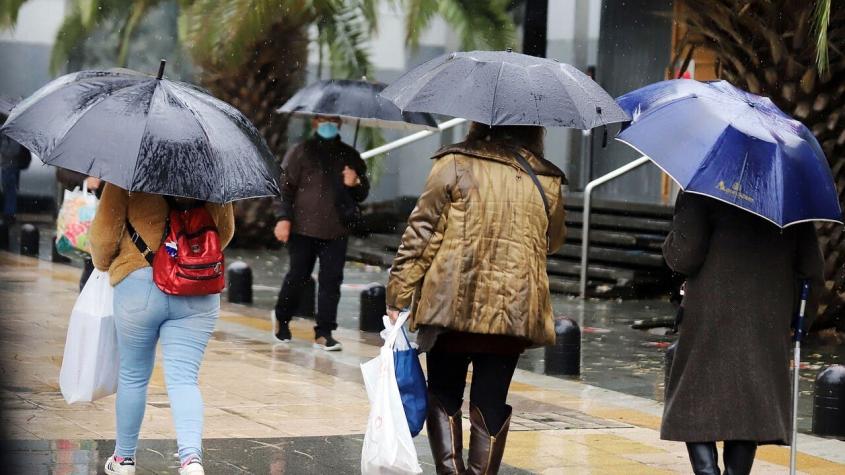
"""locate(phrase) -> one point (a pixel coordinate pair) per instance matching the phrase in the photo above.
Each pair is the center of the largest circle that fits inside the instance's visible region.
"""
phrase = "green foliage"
(821, 22)
(479, 23)
(9, 12)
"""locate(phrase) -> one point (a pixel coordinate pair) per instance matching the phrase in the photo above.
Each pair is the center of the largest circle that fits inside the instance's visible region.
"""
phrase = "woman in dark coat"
(729, 380)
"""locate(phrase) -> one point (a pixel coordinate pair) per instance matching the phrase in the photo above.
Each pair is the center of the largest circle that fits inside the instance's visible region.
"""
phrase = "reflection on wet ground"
(274, 456)
(614, 356)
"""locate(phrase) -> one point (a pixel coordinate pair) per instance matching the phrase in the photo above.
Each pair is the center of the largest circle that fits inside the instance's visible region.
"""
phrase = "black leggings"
(491, 378)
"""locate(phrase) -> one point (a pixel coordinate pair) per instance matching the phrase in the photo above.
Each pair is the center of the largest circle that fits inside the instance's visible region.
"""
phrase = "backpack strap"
(142, 246)
(523, 163)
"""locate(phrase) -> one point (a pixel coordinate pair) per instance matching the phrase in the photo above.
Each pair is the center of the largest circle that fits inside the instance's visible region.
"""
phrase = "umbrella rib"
(144, 133)
(495, 90)
(205, 133)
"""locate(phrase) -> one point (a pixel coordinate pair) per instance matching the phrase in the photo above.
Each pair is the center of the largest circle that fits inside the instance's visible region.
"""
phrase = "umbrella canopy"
(145, 133)
(354, 101)
(720, 141)
(6, 105)
(505, 88)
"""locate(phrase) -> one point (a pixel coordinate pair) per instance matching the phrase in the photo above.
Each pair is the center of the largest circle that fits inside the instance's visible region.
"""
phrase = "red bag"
(189, 260)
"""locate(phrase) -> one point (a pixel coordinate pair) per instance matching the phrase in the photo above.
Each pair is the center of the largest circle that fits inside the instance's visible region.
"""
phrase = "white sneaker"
(193, 468)
(126, 467)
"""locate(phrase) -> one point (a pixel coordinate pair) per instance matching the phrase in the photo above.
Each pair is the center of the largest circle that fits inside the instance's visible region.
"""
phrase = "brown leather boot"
(485, 450)
(444, 436)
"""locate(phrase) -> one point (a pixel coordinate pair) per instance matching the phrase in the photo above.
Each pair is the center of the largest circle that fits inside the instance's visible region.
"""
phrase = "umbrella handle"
(799, 320)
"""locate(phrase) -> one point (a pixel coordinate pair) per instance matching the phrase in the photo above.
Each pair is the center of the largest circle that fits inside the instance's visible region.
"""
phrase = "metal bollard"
(373, 306)
(4, 236)
(564, 357)
(306, 307)
(239, 278)
(829, 402)
(29, 240)
(669, 357)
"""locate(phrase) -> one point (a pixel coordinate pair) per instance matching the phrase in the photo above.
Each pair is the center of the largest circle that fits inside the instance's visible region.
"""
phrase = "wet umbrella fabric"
(354, 101)
(720, 141)
(505, 88)
(6, 105)
(145, 134)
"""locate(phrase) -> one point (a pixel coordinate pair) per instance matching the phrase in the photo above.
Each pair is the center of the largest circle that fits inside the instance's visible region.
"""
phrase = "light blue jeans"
(143, 315)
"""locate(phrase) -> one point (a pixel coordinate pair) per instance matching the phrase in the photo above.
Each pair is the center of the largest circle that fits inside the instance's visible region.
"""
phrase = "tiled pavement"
(275, 408)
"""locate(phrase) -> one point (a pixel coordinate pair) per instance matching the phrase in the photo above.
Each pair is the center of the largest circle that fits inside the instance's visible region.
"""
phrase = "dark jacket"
(730, 375)
(13, 154)
(312, 181)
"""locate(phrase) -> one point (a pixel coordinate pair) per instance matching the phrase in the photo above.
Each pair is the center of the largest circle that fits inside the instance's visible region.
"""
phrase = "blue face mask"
(327, 130)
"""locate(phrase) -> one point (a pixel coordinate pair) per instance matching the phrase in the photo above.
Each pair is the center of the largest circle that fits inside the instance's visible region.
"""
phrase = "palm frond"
(9, 10)
(347, 32)
(480, 23)
(821, 22)
(418, 16)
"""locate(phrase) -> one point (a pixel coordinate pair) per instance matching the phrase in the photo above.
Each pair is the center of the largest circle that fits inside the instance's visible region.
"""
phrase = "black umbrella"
(145, 133)
(505, 88)
(354, 101)
(6, 105)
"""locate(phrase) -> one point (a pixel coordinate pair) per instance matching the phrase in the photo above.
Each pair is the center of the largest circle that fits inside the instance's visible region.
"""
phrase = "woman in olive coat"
(729, 380)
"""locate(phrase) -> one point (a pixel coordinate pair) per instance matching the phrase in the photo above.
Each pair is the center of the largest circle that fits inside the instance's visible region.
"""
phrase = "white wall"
(38, 22)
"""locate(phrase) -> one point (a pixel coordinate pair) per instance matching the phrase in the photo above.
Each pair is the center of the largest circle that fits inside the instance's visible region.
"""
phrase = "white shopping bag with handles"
(90, 364)
(388, 446)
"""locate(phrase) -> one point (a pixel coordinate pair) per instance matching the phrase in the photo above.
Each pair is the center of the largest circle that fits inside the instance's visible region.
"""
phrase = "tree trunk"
(268, 76)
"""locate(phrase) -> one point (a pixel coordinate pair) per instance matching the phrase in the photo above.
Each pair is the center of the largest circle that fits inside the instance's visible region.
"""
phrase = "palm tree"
(792, 51)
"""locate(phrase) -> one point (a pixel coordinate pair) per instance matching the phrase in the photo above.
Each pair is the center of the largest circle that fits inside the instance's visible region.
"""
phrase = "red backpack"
(189, 260)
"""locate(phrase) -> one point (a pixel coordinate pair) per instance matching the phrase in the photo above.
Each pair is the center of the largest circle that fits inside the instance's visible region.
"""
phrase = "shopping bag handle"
(394, 328)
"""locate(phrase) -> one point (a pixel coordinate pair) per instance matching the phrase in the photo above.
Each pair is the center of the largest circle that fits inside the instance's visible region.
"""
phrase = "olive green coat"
(476, 245)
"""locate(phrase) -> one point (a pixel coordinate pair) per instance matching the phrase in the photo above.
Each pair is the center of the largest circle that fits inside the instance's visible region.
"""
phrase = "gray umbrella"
(505, 88)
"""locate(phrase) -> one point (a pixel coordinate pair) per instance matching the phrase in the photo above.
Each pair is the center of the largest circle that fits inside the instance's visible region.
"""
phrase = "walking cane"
(798, 334)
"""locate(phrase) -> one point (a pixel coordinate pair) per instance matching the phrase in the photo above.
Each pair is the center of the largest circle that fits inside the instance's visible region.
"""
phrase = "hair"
(527, 136)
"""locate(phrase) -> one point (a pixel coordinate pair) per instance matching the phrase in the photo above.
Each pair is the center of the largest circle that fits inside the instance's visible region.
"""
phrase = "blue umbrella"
(739, 148)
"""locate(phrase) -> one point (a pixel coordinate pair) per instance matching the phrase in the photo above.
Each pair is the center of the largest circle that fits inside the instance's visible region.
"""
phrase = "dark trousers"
(491, 379)
(10, 181)
(304, 252)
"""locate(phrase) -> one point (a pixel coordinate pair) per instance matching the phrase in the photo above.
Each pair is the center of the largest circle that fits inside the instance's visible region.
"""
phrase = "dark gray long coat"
(730, 378)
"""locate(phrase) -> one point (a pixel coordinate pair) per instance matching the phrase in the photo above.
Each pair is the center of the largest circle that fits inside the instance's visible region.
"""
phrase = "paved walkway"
(290, 409)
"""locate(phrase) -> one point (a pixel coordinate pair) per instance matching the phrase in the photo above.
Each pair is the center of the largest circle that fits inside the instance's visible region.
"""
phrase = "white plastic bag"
(90, 364)
(388, 446)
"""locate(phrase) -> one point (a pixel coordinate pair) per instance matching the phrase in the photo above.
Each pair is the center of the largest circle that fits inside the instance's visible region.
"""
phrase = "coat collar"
(494, 152)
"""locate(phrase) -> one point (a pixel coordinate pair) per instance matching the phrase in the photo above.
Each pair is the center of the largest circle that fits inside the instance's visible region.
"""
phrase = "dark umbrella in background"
(356, 102)
(505, 88)
(6, 106)
(145, 133)
(722, 142)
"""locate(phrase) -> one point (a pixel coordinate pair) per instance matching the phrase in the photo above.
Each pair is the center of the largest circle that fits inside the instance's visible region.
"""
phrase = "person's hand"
(92, 183)
(282, 230)
(350, 177)
(392, 314)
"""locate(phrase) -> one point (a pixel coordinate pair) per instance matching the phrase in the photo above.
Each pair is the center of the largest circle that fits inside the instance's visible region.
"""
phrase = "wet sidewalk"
(286, 408)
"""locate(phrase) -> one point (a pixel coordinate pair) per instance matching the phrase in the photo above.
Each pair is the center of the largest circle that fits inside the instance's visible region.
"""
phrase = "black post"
(535, 28)
(239, 277)
(564, 357)
(829, 402)
(29, 240)
(307, 307)
(4, 236)
(373, 306)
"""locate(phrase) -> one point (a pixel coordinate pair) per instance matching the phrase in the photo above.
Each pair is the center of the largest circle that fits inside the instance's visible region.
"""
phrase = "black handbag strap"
(142, 246)
(523, 163)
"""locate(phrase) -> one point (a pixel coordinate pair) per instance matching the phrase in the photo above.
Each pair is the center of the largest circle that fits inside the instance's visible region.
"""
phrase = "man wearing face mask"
(323, 180)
